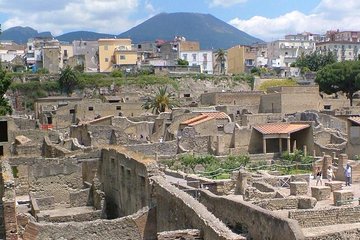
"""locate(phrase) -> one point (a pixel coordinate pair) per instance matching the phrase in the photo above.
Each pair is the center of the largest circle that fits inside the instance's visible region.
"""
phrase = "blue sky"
(266, 19)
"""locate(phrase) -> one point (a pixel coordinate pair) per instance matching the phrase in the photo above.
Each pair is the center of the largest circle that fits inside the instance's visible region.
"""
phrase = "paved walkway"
(319, 231)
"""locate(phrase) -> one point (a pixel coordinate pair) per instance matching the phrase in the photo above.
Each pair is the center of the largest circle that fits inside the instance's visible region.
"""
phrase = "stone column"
(305, 150)
(242, 182)
(288, 145)
(280, 145)
(327, 161)
(264, 145)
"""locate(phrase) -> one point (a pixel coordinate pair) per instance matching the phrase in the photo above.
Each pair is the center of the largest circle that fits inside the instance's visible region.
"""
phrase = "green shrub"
(277, 83)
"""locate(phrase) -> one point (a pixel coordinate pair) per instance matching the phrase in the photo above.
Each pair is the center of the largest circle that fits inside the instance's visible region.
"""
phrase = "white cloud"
(110, 16)
(328, 15)
(225, 3)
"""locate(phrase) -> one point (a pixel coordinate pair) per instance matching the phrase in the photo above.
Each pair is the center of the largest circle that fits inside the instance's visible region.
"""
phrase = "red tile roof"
(216, 115)
(354, 120)
(196, 120)
(280, 128)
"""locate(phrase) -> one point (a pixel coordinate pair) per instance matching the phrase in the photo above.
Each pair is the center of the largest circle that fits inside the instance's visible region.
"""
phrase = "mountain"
(21, 35)
(211, 32)
(84, 35)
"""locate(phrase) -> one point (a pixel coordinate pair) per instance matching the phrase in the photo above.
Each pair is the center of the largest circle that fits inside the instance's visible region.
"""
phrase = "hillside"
(211, 32)
(21, 35)
(82, 35)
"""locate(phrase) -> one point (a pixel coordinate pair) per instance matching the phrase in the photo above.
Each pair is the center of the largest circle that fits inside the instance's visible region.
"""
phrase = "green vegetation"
(245, 78)
(182, 62)
(214, 168)
(220, 58)
(162, 101)
(5, 82)
(314, 61)
(341, 76)
(277, 83)
(68, 80)
(116, 73)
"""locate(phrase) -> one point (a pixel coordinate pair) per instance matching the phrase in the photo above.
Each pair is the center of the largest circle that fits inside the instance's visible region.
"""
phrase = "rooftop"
(280, 128)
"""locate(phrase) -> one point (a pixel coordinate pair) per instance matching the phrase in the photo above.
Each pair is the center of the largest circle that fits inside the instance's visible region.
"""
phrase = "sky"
(266, 19)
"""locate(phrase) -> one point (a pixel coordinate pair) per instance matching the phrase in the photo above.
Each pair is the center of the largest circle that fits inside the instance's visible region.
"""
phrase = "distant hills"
(21, 35)
(211, 32)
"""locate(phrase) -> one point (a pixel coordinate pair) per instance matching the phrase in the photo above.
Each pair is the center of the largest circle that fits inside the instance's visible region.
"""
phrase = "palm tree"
(161, 101)
(220, 56)
(68, 80)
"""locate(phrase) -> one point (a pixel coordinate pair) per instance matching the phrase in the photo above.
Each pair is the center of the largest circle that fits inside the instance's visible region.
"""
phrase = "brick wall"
(325, 217)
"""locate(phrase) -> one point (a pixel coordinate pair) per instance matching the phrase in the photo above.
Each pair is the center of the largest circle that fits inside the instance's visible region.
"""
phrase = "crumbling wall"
(129, 227)
(257, 221)
(325, 217)
(168, 148)
(8, 223)
(178, 210)
(55, 177)
(125, 181)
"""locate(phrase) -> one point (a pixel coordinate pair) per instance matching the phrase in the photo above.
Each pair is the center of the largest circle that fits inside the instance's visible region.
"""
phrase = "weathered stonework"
(298, 188)
(320, 192)
(343, 197)
(334, 185)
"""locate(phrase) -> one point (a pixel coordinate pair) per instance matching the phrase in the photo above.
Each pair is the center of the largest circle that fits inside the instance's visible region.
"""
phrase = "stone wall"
(124, 177)
(178, 210)
(231, 98)
(167, 148)
(130, 227)
(325, 217)
(8, 223)
(257, 221)
(55, 177)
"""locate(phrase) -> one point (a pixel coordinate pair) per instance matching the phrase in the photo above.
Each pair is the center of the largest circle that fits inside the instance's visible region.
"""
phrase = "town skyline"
(115, 16)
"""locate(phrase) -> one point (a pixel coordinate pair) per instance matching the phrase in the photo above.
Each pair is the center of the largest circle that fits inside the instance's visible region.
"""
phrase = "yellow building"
(114, 52)
(67, 51)
(240, 59)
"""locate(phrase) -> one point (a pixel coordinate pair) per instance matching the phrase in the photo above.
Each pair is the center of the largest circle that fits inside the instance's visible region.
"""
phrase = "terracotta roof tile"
(196, 120)
(280, 128)
(216, 115)
(354, 120)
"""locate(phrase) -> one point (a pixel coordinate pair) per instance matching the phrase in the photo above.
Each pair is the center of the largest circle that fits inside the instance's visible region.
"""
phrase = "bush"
(116, 73)
(277, 83)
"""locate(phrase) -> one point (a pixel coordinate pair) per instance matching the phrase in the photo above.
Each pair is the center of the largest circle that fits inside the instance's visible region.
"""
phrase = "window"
(91, 108)
(30, 47)
(122, 57)
(106, 59)
(118, 107)
(185, 56)
(194, 57)
(106, 47)
(186, 94)
(327, 107)
(65, 53)
(205, 57)
(72, 111)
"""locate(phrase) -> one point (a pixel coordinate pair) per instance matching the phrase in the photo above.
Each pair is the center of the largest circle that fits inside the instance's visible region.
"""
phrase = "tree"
(342, 76)
(161, 101)
(220, 56)
(68, 80)
(182, 62)
(314, 61)
(5, 82)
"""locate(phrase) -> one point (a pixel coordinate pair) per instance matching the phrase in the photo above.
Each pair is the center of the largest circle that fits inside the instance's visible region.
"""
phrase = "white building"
(282, 53)
(343, 50)
(202, 58)
(9, 50)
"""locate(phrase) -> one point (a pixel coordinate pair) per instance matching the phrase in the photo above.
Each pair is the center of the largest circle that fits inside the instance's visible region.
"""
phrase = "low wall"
(259, 223)
(178, 210)
(325, 217)
(168, 148)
